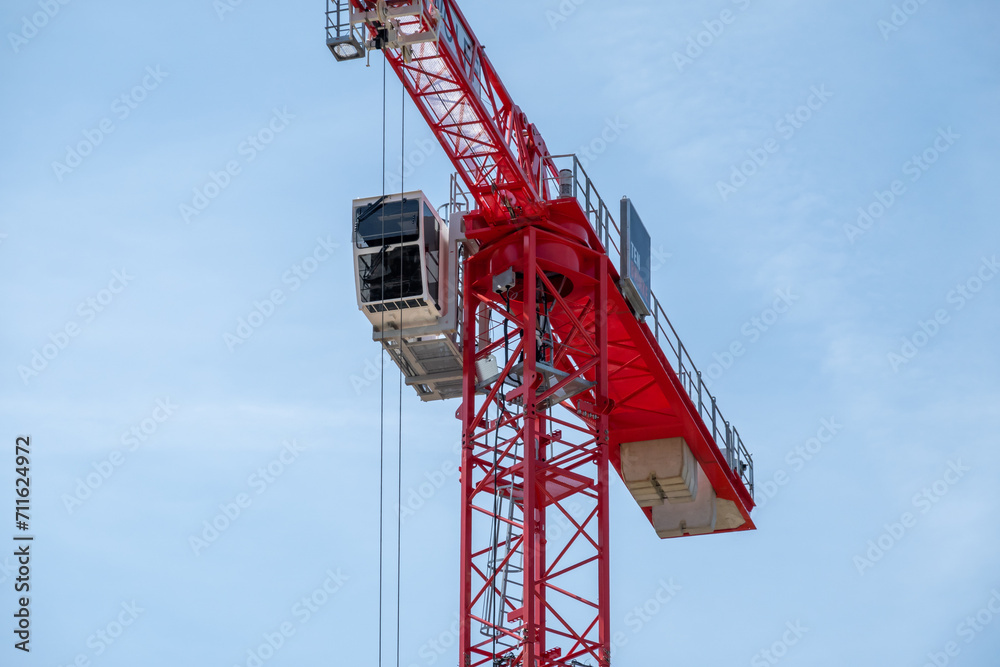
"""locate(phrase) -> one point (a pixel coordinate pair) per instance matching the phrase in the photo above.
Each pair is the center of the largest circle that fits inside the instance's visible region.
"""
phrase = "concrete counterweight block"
(727, 516)
(692, 518)
(660, 470)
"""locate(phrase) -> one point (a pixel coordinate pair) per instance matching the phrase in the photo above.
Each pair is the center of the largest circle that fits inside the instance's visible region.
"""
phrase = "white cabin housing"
(406, 280)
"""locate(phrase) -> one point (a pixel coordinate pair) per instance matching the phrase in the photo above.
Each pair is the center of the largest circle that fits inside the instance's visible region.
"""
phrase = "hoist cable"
(399, 447)
(381, 408)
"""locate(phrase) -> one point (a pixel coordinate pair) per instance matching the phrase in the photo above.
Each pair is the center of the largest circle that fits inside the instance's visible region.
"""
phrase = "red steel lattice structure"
(497, 152)
(578, 373)
(545, 465)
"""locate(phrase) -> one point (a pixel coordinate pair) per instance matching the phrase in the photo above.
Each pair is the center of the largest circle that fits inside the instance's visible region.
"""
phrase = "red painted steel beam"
(499, 154)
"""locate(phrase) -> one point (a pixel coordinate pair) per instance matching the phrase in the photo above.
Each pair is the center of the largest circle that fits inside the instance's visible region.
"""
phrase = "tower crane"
(527, 300)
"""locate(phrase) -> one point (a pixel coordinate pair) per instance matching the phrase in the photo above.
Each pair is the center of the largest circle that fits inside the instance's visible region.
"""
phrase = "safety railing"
(590, 201)
(338, 22)
(726, 437)
(338, 18)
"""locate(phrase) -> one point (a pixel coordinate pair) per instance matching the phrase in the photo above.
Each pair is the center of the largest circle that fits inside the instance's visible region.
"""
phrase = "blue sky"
(103, 249)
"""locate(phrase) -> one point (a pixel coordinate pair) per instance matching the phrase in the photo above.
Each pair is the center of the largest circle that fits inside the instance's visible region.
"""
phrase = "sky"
(172, 173)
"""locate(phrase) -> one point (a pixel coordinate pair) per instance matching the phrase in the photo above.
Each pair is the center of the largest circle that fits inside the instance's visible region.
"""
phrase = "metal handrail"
(338, 18)
(726, 437)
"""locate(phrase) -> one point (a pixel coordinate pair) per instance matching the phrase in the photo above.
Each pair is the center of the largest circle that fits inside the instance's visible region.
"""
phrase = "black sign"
(636, 253)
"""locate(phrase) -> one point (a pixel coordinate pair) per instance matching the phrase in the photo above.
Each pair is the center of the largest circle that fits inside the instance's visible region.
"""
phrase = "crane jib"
(496, 151)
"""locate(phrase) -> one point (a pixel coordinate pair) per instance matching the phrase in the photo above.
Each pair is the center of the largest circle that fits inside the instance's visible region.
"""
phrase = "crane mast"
(561, 376)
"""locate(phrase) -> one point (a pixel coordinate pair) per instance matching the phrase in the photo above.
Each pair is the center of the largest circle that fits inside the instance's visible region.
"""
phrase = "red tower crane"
(534, 308)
